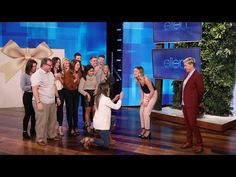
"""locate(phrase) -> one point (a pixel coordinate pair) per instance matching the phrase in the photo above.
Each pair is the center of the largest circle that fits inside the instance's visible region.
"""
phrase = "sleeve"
(23, 83)
(180, 92)
(200, 86)
(112, 105)
(81, 86)
(34, 80)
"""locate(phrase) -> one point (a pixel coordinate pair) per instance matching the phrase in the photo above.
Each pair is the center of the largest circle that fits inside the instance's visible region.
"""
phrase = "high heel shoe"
(146, 136)
(142, 133)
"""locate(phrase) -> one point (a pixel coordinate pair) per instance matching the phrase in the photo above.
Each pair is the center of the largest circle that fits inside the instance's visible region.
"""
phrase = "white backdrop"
(10, 92)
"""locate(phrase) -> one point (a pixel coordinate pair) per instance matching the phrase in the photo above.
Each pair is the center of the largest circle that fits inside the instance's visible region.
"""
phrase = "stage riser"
(201, 124)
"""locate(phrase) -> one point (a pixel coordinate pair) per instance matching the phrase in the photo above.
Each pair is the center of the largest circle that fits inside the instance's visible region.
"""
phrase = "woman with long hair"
(25, 84)
(148, 100)
(57, 72)
(102, 116)
(72, 78)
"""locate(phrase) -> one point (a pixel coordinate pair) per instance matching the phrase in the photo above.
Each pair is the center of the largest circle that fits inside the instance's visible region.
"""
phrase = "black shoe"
(72, 133)
(32, 133)
(26, 136)
(146, 136)
(142, 133)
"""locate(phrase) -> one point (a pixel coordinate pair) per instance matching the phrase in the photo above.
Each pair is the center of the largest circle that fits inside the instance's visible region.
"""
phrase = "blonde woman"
(107, 77)
(65, 65)
(148, 100)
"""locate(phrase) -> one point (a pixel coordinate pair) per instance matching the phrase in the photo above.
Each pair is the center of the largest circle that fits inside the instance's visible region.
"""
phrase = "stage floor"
(166, 138)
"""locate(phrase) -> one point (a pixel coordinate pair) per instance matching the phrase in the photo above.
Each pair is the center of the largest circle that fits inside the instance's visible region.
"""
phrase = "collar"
(41, 70)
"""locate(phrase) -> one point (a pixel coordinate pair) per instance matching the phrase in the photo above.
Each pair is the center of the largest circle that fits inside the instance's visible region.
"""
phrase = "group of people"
(56, 82)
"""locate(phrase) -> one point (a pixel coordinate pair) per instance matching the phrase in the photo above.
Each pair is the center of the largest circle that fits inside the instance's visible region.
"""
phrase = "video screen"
(177, 31)
(168, 63)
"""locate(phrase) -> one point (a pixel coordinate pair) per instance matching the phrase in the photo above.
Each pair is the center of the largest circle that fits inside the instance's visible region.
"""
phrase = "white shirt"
(46, 84)
(102, 116)
(58, 83)
(184, 84)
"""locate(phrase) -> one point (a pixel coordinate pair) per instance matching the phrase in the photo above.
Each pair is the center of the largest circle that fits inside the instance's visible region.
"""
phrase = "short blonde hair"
(190, 60)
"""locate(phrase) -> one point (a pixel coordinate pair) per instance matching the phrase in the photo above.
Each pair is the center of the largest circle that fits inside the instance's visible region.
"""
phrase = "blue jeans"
(105, 138)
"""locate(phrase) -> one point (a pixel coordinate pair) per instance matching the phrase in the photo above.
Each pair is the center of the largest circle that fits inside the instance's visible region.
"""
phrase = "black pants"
(72, 103)
(29, 111)
(60, 108)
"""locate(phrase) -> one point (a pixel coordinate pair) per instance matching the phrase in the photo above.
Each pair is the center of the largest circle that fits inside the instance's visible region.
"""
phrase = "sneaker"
(41, 143)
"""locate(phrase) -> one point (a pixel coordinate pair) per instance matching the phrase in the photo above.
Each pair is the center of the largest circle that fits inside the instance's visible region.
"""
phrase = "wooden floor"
(166, 138)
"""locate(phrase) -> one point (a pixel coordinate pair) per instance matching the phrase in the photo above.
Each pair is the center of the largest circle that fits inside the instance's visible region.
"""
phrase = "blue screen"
(137, 51)
(177, 31)
(168, 63)
(88, 38)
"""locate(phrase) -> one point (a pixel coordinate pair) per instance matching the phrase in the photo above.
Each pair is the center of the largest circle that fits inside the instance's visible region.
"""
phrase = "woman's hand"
(95, 92)
(58, 101)
(145, 102)
(116, 98)
(121, 95)
(88, 97)
(141, 102)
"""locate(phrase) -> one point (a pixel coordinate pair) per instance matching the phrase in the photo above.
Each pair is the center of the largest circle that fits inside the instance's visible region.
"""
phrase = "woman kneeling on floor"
(102, 116)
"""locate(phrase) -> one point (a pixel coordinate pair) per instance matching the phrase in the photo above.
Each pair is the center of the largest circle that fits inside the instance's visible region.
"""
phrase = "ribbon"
(21, 56)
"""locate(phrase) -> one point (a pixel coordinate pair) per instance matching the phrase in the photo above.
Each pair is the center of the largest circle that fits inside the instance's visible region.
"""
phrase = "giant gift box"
(12, 65)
